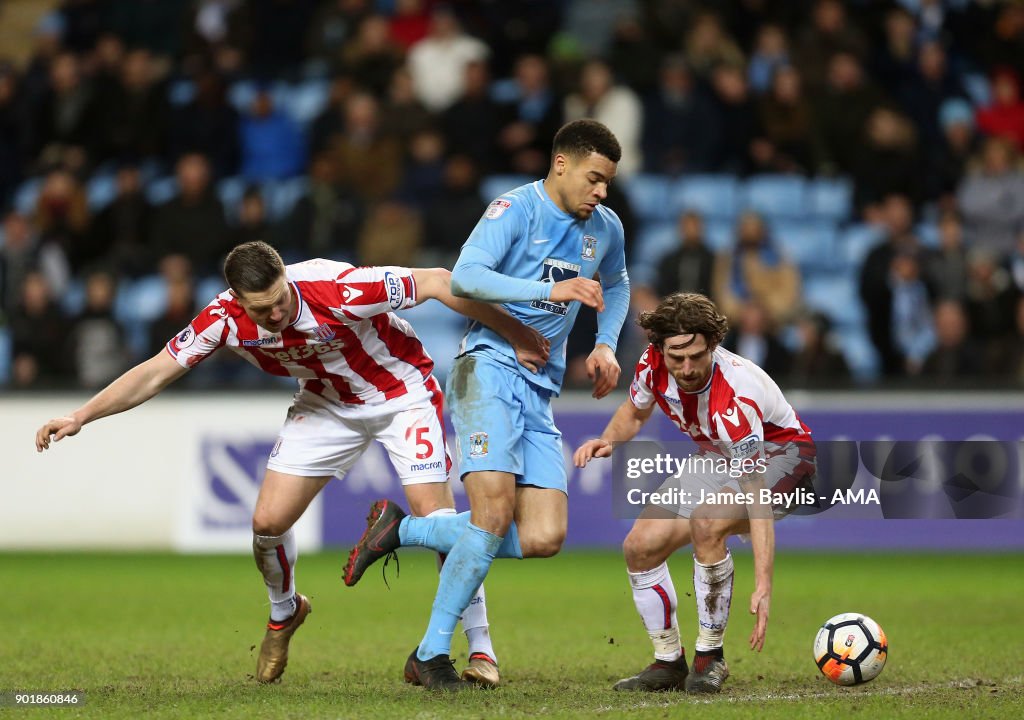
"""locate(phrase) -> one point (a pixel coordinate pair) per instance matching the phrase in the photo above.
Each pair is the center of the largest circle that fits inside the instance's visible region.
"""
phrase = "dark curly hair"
(684, 314)
(579, 138)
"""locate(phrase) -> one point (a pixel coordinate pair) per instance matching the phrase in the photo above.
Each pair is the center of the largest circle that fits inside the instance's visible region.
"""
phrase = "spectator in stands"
(119, 238)
(130, 115)
(946, 265)
(893, 63)
(991, 197)
(1003, 45)
(14, 131)
(1016, 263)
(709, 46)
(367, 160)
(1005, 116)
(786, 138)
(64, 118)
(954, 358)
(530, 114)
(424, 170)
(830, 32)
(690, 267)
(402, 114)
(271, 142)
(192, 223)
(208, 125)
(98, 345)
(841, 112)
(46, 46)
(278, 35)
(409, 23)
(913, 328)
(21, 253)
(755, 271)
(391, 235)
(438, 61)
(681, 130)
(325, 222)
(887, 160)
(634, 56)
(39, 335)
(771, 52)
(62, 218)
(450, 220)
(736, 117)
(253, 223)
(1007, 359)
(333, 26)
(896, 215)
(371, 57)
(331, 120)
(991, 297)
(752, 336)
(155, 26)
(218, 36)
(598, 96)
(817, 362)
(948, 159)
(178, 314)
(924, 92)
(472, 122)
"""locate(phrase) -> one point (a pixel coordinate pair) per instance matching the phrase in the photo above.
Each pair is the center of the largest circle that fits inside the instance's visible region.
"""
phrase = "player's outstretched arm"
(623, 427)
(133, 388)
(532, 348)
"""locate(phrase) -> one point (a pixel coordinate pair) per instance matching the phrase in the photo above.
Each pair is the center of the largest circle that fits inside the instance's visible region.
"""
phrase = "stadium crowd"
(843, 178)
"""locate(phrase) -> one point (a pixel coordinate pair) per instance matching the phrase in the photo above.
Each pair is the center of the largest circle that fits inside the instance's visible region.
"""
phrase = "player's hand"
(58, 429)
(603, 370)
(596, 448)
(583, 289)
(759, 602)
(532, 348)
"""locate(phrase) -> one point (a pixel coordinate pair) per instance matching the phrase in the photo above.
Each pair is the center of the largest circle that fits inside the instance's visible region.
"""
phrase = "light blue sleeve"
(474, 275)
(615, 286)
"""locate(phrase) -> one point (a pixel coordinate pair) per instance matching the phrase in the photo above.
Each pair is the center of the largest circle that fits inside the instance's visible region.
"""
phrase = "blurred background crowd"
(843, 178)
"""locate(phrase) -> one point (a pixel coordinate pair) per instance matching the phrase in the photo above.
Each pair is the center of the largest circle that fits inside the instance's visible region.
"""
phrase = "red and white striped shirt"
(738, 410)
(344, 346)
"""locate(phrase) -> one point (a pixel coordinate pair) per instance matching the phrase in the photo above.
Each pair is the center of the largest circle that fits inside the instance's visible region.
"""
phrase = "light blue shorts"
(504, 423)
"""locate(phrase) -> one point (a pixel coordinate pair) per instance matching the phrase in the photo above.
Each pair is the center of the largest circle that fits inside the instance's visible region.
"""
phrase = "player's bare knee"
(542, 545)
(638, 551)
(494, 518)
(266, 525)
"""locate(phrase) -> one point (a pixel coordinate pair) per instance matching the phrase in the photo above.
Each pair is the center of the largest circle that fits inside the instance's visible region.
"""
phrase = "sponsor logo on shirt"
(418, 467)
(302, 352)
(350, 293)
(747, 447)
(260, 342)
(395, 288)
(323, 332)
(496, 209)
(556, 271)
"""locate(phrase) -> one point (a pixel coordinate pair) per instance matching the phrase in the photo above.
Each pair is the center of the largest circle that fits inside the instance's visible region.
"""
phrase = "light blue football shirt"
(523, 244)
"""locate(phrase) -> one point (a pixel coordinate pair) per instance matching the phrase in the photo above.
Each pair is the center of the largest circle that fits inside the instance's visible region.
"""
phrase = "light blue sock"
(463, 572)
(440, 533)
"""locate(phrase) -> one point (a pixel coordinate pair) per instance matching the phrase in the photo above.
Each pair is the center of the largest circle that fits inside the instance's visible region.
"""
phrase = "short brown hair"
(579, 138)
(252, 267)
(684, 314)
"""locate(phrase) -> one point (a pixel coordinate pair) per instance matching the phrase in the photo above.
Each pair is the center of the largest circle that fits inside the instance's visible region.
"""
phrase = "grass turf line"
(176, 636)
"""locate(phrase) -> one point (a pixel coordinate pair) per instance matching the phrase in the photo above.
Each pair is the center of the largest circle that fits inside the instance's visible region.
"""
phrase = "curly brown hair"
(684, 314)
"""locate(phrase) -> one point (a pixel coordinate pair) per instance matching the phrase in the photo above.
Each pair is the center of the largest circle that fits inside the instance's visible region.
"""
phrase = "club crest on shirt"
(496, 209)
(478, 444)
(589, 247)
(323, 332)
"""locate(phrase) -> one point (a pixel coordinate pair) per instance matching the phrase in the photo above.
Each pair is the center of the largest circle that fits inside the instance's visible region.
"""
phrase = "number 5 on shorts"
(421, 441)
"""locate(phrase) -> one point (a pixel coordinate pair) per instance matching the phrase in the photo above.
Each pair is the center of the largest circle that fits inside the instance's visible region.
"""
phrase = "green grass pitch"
(174, 636)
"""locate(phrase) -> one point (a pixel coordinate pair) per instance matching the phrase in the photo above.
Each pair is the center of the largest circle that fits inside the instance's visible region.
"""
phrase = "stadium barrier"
(182, 472)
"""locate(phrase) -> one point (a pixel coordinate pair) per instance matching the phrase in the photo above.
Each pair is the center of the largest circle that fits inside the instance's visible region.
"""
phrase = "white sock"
(275, 557)
(474, 617)
(655, 598)
(712, 585)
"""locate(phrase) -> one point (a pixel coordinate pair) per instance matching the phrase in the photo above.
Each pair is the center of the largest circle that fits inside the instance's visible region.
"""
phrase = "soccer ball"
(850, 649)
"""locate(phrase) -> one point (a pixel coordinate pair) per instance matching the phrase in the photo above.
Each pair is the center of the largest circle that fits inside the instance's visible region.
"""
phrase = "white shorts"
(319, 440)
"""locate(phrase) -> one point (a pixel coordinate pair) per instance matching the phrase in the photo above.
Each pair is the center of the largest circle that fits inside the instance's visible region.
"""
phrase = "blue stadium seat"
(181, 92)
(719, 235)
(830, 198)
(440, 330)
(101, 190)
(494, 185)
(856, 242)
(776, 196)
(928, 234)
(280, 196)
(241, 94)
(836, 295)
(811, 244)
(5, 356)
(162, 190)
(648, 196)
(714, 196)
(72, 300)
(653, 241)
(230, 191)
(144, 299)
(207, 289)
(860, 354)
(26, 195)
(978, 88)
(306, 100)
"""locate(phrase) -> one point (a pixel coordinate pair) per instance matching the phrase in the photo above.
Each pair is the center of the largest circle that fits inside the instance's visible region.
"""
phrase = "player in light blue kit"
(537, 250)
